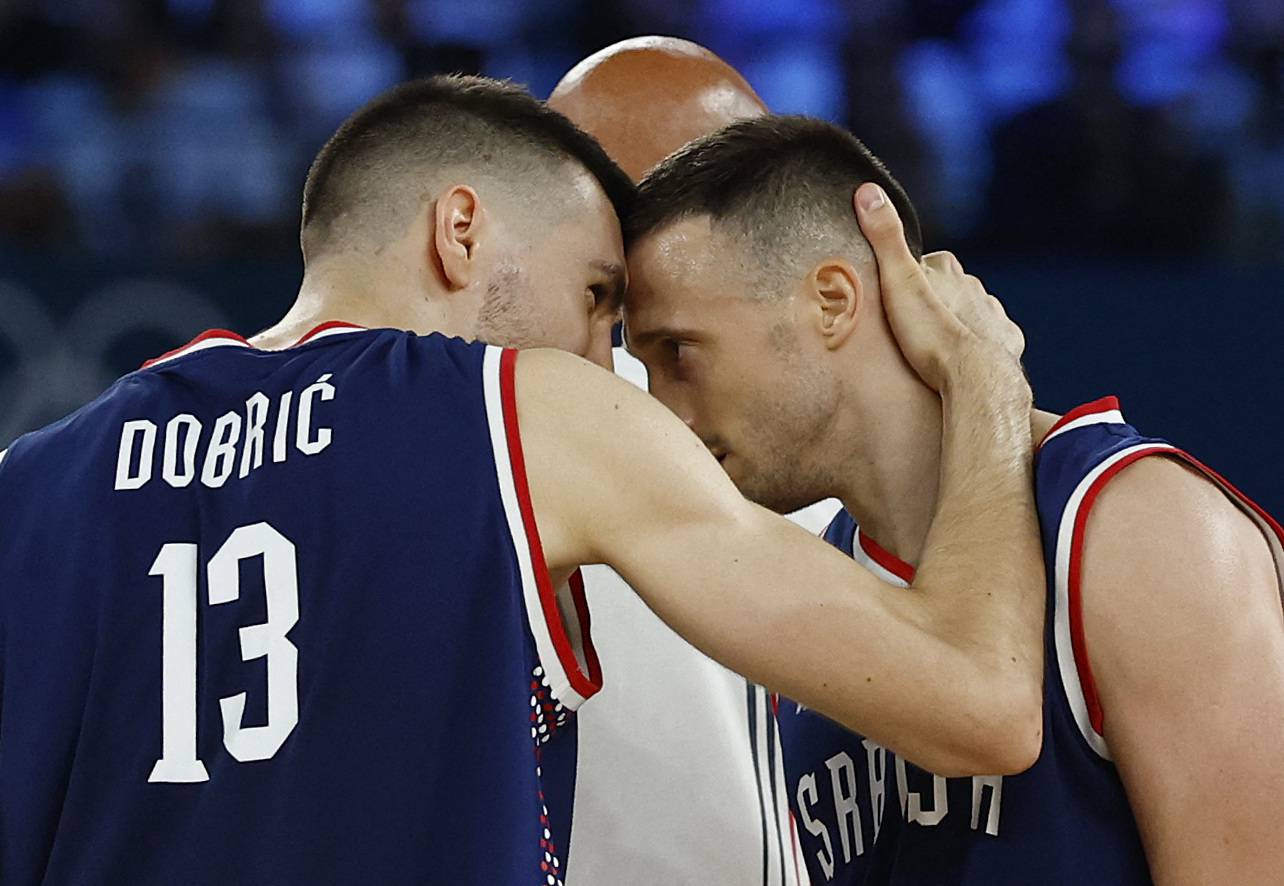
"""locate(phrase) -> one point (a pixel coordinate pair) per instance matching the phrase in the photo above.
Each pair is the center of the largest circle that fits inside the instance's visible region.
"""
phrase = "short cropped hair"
(379, 165)
(781, 184)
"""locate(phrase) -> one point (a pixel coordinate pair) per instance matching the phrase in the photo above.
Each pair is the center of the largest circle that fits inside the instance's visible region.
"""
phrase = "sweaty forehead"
(577, 202)
(679, 251)
(683, 266)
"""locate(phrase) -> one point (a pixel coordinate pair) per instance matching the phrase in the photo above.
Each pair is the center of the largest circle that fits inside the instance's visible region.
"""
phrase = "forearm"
(984, 576)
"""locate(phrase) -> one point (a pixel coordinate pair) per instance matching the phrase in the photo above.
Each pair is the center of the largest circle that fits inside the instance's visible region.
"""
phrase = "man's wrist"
(984, 375)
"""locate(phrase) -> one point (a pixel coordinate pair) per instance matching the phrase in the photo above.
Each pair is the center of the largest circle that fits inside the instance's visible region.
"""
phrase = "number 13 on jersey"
(177, 565)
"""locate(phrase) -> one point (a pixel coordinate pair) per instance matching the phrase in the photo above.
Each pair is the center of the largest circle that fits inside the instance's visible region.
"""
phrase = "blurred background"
(1114, 170)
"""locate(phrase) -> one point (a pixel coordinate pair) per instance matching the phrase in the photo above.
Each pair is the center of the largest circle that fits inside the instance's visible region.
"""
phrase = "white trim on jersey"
(861, 556)
(3, 453)
(333, 330)
(212, 342)
(1109, 416)
(555, 672)
(1066, 664)
(781, 852)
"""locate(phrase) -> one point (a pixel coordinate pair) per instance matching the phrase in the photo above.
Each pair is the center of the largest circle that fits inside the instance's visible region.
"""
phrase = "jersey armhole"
(1071, 642)
(558, 618)
(1068, 633)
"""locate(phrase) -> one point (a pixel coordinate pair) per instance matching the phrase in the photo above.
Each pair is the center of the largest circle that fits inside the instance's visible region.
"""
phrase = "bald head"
(645, 97)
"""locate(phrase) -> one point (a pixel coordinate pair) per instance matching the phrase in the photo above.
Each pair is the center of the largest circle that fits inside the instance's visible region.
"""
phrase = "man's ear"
(459, 223)
(836, 290)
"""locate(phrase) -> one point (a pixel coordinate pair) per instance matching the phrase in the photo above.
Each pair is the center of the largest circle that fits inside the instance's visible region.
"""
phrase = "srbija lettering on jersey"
(283, 617)
(866, 816)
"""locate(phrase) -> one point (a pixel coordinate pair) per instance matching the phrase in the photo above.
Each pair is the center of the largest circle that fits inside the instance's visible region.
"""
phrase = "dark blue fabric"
(412, 759)
(1064, 821)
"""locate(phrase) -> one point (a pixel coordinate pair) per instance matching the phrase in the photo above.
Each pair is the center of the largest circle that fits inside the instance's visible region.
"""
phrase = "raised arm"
(949, 677)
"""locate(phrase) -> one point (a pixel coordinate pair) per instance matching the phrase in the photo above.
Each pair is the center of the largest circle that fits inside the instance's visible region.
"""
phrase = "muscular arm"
(1186, 642)
(950, 677)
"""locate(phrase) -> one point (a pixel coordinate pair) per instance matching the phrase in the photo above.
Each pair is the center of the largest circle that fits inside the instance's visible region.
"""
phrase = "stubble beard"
(790, 464)
(505, 316)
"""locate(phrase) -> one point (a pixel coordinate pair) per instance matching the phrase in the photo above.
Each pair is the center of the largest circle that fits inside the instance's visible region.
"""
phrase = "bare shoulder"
(560, 390)
(1170, 565)
(550, 363)
(606, 462)
(1163, 516)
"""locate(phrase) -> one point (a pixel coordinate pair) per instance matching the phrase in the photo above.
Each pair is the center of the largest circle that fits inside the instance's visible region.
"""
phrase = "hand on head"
(937, 311)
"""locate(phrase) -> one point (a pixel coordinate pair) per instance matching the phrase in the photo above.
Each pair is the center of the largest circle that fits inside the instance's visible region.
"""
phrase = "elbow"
(1020, 748)
(1010, 710)
(1003, 735)
(1016, 722)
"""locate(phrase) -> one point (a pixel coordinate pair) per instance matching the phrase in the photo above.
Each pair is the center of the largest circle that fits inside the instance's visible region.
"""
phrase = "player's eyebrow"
(614, 273)
(633, 341)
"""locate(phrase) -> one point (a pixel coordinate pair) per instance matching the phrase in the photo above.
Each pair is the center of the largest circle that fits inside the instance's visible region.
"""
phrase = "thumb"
(882, 227)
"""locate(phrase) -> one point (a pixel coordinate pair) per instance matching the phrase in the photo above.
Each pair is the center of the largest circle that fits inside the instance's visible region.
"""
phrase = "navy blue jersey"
(283, 617)
(866, 816)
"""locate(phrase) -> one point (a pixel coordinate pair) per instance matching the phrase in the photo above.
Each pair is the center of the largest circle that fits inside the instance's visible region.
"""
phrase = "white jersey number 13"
(177, 565)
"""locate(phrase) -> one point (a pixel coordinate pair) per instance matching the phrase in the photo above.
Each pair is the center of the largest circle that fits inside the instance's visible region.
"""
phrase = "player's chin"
(749, 483)
(769, 492)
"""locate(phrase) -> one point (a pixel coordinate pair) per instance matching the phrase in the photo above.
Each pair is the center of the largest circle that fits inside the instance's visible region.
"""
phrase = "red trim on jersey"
(885, 558)
(204, 336)
(796, 847)
(1077, 637)
(1230, 487)
(1105, 404)
(327, 325)
(582, 613)
(586, 686)
(1078, 641)
(232, 336)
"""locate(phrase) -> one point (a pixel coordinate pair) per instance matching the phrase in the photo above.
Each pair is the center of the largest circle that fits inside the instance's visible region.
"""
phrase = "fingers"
(943, 261)
(883, 229)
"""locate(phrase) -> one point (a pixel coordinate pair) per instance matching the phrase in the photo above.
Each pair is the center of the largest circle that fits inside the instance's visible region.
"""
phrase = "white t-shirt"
(680, 777)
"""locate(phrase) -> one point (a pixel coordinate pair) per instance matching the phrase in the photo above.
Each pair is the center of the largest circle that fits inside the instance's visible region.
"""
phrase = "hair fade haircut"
(783, 183)
(490, 127)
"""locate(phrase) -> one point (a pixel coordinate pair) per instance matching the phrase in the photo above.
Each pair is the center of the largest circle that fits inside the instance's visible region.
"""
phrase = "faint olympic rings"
(61, 366)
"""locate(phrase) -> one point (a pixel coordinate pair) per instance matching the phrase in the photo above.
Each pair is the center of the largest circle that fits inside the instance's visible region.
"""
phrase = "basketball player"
(760, 313)
(288, 610)
(704, 778)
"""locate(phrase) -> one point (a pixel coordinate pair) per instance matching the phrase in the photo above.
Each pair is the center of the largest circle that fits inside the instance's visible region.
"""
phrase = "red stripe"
(794, 832)
(885, 558)
(1230, 487)
(582, 613)
(793, 837)
(1105, 404)
(329, 324)
(793, 829)
(232, 336)
(1078, 640)
(586, 686)
(204, 336)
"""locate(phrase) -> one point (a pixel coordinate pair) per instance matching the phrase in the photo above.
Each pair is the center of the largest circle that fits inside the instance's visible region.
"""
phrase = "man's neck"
(889, 483)
(891, 489)
(333, 296)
